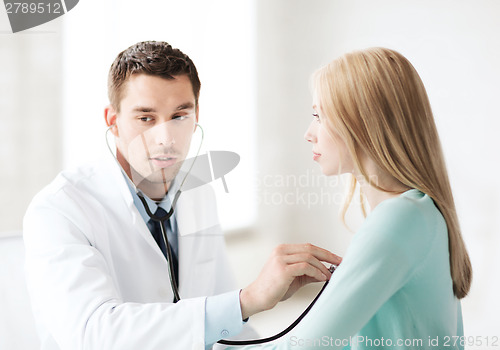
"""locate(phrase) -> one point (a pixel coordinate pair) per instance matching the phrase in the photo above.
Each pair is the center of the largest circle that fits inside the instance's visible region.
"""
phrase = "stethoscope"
(173, 281)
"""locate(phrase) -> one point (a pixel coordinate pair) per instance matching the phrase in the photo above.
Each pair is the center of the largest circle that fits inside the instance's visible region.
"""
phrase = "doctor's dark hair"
(376, 102)
(155, 58)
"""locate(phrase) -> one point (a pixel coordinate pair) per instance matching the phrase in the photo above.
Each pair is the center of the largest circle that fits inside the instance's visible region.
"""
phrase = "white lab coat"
(96, 276)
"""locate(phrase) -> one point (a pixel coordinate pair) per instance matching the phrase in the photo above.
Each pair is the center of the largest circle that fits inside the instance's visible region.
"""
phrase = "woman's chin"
(328, 172)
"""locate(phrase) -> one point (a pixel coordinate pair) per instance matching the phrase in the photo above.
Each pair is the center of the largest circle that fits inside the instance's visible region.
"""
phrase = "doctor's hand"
(290, 267)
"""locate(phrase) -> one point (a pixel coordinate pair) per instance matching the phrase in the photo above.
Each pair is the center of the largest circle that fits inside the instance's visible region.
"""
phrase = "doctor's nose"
(164, 134)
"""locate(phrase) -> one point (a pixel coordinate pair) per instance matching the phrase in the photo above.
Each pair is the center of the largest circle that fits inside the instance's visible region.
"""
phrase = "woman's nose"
(310, 134)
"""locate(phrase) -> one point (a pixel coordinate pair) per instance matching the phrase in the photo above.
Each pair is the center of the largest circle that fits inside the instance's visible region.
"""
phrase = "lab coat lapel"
(197, 221)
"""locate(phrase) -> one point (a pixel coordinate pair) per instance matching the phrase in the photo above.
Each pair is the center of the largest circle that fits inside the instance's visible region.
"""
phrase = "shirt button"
(224, 333)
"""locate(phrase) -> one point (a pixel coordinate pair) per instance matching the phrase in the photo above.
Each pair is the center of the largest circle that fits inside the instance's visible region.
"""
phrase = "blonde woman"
(400, 282)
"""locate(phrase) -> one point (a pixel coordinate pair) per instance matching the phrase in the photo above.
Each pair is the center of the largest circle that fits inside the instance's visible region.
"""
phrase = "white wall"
(30, 116)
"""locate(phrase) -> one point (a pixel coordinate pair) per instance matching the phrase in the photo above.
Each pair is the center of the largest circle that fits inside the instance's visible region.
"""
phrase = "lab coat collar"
(118, 174)
(195, 210)
(192, 214)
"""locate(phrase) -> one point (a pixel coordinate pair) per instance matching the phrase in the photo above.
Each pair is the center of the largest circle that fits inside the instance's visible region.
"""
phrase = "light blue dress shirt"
(222, 312)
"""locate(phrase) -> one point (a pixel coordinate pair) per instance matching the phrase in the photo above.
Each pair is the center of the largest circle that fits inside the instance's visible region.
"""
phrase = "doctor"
(96, 270)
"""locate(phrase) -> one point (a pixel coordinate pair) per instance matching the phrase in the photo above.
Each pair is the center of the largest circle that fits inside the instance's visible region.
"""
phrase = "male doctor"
(96, 265)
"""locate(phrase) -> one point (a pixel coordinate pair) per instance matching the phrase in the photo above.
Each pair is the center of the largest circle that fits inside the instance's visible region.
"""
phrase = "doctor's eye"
(180, 117)
(316, 117)
(145, 118)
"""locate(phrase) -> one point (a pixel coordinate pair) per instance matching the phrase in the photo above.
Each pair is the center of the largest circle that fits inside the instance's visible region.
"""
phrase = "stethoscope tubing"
(283, 332)
(173, 282)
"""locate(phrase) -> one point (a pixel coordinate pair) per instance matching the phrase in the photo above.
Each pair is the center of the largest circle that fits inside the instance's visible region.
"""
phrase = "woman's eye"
(316, 117)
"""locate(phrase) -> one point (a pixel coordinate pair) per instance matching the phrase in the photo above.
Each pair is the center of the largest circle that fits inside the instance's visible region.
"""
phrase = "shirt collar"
(153, 205)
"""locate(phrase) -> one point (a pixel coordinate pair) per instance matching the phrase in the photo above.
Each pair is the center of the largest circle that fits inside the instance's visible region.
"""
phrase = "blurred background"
(255, 59)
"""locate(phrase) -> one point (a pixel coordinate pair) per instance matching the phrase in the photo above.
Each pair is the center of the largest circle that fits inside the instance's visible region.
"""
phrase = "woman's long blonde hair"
(375, 100)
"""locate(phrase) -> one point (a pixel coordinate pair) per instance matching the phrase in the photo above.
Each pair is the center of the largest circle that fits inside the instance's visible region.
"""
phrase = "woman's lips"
(316, 156)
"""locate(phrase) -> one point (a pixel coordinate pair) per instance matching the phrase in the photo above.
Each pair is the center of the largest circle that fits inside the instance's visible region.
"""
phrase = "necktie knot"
(160, 212)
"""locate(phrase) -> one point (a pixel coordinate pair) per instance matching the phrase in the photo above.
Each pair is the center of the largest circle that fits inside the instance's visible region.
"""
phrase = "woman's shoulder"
(411, 213)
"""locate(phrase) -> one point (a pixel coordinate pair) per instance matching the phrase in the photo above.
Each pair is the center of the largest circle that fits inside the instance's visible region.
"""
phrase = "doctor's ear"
(110, 116)
(197, 113)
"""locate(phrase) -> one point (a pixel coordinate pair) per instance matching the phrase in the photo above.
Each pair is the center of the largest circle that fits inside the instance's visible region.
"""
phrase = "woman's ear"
(110, 118)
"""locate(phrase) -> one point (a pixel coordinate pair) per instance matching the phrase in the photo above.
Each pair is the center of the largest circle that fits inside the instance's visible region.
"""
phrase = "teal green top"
(393, 288)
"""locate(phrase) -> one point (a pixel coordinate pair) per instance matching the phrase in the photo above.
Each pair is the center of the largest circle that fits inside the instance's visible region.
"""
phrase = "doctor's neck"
(154, 190)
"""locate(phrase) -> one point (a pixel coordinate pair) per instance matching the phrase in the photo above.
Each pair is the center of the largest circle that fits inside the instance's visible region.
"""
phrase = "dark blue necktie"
(154, 227)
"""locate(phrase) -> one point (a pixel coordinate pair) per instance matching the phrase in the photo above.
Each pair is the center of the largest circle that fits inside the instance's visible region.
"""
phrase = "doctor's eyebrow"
(187, 105)
(145, 109)
(142, 109)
